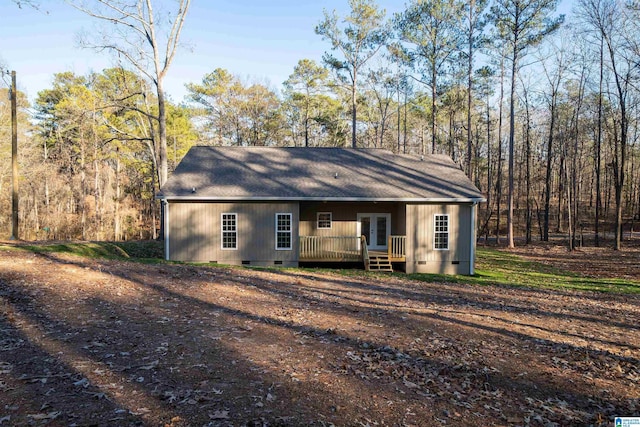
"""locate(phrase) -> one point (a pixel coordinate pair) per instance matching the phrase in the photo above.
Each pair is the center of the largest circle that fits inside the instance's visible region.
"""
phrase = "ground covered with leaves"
(112, 342)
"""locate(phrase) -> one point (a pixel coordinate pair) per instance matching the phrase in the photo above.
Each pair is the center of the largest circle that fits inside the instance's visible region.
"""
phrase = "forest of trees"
(540, 111)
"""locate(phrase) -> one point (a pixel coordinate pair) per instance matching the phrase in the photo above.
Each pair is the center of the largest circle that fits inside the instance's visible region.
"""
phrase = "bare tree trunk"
(547, 182)
(472, 5)
(575, 172)
(163, 166)
(489, 169)
(83, 190)
(598, 147)
(404, 124)
(353, 109)
(569, 215)
(398, 112)
(451, 135)
(528, 171)
(117, 235)
(499, 177)
(560, 193)
(434, 113)
(512, 124)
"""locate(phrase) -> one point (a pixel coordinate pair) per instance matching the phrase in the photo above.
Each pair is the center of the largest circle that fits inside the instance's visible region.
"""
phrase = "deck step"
(380, 263)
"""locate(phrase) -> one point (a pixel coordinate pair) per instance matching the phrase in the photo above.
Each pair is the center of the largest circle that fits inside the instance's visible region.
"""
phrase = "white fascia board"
(325, 199)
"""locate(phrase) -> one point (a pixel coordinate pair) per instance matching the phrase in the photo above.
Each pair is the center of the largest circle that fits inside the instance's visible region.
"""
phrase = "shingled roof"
(327, 174)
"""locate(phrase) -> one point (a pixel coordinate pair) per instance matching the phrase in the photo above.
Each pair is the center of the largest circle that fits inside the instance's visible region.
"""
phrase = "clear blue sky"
(258, 40)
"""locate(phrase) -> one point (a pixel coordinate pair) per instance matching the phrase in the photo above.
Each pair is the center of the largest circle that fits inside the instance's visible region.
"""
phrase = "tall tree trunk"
(116, 214)
(472, 5)
(512, 124)
(353, 109)
(528, 171)
(575, 179)
(434, 113)
(452, 153)
(499, 177)
(398, 112)
(83, 190)
(306, 118)
(598, 147)
(569, 213)
(404, 124)
(489, 169)
(560, 192)
(163, 165)
(620, 160)
(547, 182)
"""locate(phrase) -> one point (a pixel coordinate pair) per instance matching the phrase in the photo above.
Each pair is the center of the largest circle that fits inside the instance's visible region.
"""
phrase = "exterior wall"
(422, 257)
(345, 217)
(195, 233)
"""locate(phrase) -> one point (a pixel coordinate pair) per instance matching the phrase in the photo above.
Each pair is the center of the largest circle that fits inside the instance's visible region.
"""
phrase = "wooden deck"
(348, 249)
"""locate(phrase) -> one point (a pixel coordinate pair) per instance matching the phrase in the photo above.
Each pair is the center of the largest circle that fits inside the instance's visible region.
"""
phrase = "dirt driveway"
(112, 343)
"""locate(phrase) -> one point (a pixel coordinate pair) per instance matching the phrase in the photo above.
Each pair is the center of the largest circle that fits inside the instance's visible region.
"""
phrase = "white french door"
(376, 227)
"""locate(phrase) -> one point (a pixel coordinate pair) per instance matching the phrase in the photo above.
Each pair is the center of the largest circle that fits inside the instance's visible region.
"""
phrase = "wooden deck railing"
(347, 248)
(397, 248)
(330, 248)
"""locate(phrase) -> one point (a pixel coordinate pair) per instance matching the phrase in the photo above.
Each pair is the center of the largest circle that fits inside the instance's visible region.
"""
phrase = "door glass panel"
(365, 227)
(381, 231)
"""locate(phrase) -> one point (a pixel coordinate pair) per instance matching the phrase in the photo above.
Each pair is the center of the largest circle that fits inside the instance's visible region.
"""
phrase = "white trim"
(222, 230)
(165, 207)
(370, 239)
(330, 220)
(435, 232)
(290, 231)
(328, 199)
(472, 243)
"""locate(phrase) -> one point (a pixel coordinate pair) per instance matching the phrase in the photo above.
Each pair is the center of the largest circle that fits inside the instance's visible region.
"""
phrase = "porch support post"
(472, 243)
(165, 208)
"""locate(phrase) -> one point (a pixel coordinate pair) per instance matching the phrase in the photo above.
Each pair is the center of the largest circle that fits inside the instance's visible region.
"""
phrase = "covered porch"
(372, 233)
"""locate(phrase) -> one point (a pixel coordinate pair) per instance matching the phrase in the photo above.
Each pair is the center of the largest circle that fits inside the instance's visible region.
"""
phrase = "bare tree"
(520, 24)
(554, 69)
(135, 34)
(611, 20)
(30, 3)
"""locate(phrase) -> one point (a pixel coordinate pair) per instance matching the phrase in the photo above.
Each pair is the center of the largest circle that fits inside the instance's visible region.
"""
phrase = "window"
(283, 231)
(441, 232)
(229, 227)
(324, 220)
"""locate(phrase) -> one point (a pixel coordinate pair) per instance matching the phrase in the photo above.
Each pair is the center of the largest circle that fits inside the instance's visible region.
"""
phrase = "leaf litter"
(107, 342)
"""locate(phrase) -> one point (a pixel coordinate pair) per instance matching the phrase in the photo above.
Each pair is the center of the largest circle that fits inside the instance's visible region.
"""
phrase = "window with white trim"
(283, 231)
(229, 230)
(324, 220)
(441, 232)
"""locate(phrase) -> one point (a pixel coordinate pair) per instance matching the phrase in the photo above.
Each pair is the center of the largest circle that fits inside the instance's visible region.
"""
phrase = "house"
(285, 206)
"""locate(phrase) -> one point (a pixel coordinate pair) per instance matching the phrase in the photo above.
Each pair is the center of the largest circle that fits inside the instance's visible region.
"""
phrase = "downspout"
(472, 243)
(165, 208)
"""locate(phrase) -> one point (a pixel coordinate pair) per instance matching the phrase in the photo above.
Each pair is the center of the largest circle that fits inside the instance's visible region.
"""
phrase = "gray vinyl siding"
(195, 233)
(422, 257)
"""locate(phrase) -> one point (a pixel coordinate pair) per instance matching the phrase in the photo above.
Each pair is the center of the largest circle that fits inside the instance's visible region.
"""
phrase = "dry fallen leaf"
(219, 415)
(45, 416)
